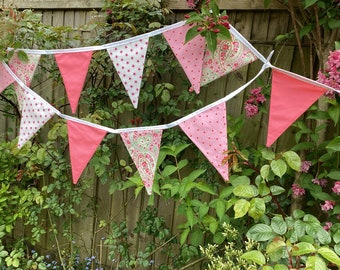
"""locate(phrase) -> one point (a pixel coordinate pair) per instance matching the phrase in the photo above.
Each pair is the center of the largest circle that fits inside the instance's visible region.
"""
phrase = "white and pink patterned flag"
(129, 62)
(73, 68)
(208, 131)
(35, 113)
(5, 78)
(231, 54)
(24, 71)
(143, 147)
(189, 55)
(83, 142)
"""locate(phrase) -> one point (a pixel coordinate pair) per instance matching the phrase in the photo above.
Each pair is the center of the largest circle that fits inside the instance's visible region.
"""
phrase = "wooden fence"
(258, 25)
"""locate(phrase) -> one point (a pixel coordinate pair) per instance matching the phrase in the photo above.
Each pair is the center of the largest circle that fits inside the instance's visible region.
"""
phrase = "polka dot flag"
(189, 55)
(208, 131)
(35, 113)
(129, 61)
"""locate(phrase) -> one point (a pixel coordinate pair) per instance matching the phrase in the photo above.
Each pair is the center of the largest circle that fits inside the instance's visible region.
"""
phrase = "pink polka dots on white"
(129, 62)
(208, 131)
(6, 78)
(189, 55)
(35, 113)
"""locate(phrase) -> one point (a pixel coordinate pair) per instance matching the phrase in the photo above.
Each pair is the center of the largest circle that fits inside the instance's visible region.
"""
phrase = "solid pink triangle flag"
(189, 55)
(24, 71)
(34, 114)
(143, 147)
(230, 55)
(208, 131)
(73, 68)
(129, 62)
(5, 78)
(291, 96)
(83, 142)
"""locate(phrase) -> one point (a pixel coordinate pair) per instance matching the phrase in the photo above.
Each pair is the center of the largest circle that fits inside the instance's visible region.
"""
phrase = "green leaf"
(279, 167)
(309, 3)
(302, 248)
(246, 191)
(333, 23)
(334, 175)
(213, 226)
(184, 236)
(276, 244)
(196, 237)
(265, 171)
(192, 33)
(266, 3)
(334, 113)
(260, 232)
(337, 45)
(293, 160)
(23, 57)
(267, 154)
(241, 208)
(329, 255)
(280, 267)
(168, 170)
(305, 30)
(277, 190)
(220, 208)
(278, 225)
(205, 188)
(324, 237)
(219, 238)
(239, 180)
(334, 145)
(211, 39)
(190, 216)
(315, 263)
(254, 256)
(257, 208)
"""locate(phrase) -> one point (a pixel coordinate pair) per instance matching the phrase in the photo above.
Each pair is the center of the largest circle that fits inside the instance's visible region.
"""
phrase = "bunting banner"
(24, 71)
(73, 68)
(189, 55)
(208, 131)
(83, 142)
(229, 56)
(143, 147)
(291, 96)
(34, 114)
(129, 61)
(5, 78)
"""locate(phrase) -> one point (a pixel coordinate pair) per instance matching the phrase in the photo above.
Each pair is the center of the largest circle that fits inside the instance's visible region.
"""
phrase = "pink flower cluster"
(331, 75)
(298, 190)
(255, 99)
(305, 165)
(192, 3)
(328, 205)
(336, 188)
(320, 182)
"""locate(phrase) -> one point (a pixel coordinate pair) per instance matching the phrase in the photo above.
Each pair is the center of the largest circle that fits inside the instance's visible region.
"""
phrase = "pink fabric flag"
(189, 55)
(24, 71)
(143, 147)
(208, 131)
(83, 142)
(35, 113)
(73, 68)
(129, 61)
(291, 96)
(230, 55)
(5, 78)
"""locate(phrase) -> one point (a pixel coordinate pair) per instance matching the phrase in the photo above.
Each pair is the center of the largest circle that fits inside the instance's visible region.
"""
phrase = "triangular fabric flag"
(208, 131)
(83, 142)
(129, 62)
(290, 97)
(35, 113)
(143, 147)
(73, 68)
(189, 55)
(24, 71)
(5, 78)
(230, 55)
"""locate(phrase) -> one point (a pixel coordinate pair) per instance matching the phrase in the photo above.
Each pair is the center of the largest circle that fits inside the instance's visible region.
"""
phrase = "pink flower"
(320, 182)
(328, 205)
(305, 165)
(336, 188)
(328, 225)
(191, 3)
(298, 190)
(251, 110)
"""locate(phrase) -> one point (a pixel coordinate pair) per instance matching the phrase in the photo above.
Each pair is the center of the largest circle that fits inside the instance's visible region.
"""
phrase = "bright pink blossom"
(328, 225)
(255, 99)
(251, 109)
(328, 205)
(320, 182)
(298, 190)
(336, 188)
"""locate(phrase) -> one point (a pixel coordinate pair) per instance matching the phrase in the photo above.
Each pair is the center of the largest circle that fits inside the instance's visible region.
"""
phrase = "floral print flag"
(143, 147)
